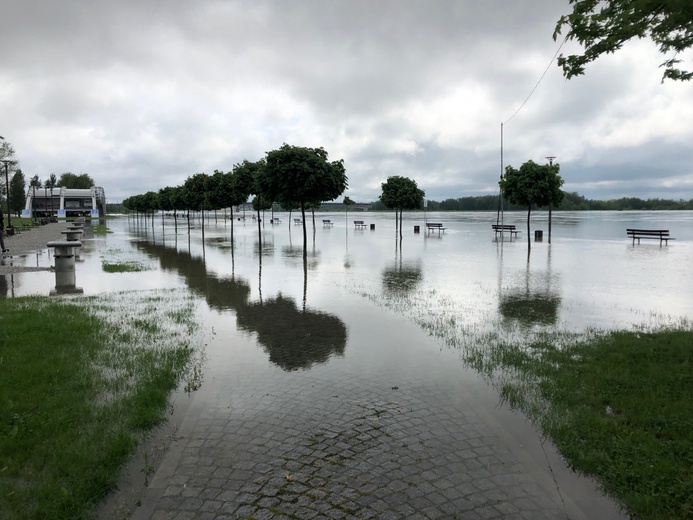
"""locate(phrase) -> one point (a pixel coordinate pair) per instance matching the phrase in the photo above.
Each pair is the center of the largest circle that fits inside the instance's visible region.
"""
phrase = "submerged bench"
(655, 234)
(504, 228)
(297, 222)
(327, 223)
(433, 226)
(360, 224)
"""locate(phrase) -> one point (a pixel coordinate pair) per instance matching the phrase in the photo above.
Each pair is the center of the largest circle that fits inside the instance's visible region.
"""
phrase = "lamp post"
(7, 190)
(550, 158)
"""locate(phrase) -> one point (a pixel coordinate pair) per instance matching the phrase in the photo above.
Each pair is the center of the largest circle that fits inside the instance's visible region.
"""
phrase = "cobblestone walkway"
(306, 447)
(28, 241)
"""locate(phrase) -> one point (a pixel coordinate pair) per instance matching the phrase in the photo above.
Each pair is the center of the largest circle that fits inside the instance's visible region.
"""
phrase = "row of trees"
(295, 177)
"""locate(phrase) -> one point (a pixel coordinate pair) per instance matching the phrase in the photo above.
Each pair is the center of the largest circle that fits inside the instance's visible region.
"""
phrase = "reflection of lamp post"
(7, 190)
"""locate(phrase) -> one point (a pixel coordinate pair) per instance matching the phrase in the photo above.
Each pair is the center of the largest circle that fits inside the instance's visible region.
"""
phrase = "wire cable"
(538, 82)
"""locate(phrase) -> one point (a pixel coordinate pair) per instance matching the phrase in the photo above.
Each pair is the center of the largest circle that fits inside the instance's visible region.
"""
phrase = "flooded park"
(338, 384)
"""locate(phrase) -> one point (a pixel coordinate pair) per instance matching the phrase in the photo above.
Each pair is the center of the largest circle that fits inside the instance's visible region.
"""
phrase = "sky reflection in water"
(301, 314)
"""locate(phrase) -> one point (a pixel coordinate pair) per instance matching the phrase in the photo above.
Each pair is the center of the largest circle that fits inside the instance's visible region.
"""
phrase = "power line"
(540, 79)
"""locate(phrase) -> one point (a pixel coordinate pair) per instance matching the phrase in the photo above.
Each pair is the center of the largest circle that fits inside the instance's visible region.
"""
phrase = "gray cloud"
(142, 94)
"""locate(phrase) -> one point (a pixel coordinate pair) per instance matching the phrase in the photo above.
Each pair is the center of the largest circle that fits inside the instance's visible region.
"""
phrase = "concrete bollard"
(73, 234)
(65, 279)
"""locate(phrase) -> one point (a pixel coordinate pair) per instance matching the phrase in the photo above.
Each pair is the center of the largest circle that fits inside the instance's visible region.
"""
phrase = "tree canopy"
(603, 26)
(401, 193)
(300, 175)
(82, 181)
(532, 185)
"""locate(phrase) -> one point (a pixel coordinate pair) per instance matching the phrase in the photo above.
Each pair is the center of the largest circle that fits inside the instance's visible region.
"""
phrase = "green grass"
(123, 267)
(101, 229)
(79, 387)
(619, 407)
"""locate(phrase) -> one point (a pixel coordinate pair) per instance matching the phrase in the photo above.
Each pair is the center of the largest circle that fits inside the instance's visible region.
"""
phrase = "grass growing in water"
(618, 405)
(79, 387)
(101, 229)
(123, 267)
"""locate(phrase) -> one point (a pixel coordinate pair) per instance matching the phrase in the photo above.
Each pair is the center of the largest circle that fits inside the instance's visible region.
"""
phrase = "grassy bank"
(619, 407)
(81, 381)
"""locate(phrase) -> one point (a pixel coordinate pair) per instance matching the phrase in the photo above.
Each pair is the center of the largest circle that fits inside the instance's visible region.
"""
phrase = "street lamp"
(551, 158)
(7, 190)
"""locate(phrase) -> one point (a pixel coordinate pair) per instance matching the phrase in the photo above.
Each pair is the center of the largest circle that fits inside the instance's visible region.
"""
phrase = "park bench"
(297, 222)
(435, 226)
(360, 224)
(275, 220)
(327, 223)
(656, 234)
(504, 228)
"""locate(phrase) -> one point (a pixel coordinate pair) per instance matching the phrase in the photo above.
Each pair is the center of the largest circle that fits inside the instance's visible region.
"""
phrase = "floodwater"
(591, 275)
(462, 286)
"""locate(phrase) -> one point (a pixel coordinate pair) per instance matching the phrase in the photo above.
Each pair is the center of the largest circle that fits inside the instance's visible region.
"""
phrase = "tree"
(17, 193)
(532, 185)
(6, 161)
(34, 182)
(401, 193)
(52, 180)
(347, 202)
(302, 175)
(602, 27)
(70, 180)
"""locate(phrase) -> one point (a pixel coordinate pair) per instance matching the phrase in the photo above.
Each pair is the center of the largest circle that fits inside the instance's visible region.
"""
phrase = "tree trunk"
(259, 231)
(529, 239)
(305, 233)
(231, 227)
(550, 208)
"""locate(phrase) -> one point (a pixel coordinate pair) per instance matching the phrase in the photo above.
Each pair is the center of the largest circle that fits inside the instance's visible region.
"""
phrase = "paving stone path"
(308, 447)
(26, 242)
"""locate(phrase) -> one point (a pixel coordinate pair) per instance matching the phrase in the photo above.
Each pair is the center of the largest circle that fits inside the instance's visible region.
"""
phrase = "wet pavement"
(362, 441)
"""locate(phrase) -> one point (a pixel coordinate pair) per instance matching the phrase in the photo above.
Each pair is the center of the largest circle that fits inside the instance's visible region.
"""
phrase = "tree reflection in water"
(402, 277)
(539, 308)
(537, 301)
(294, 339)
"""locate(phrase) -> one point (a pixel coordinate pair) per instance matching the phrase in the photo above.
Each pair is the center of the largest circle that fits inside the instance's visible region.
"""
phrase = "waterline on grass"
(86, 386)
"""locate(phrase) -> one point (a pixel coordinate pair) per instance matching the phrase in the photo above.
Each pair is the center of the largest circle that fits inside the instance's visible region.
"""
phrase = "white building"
(65, 202)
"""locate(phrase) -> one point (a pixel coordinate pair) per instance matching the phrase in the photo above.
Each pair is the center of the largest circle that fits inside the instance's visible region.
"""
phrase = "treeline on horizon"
(571, 202)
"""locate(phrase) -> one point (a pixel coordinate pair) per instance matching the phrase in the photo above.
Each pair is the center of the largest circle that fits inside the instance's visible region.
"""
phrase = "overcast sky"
(141, 94)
